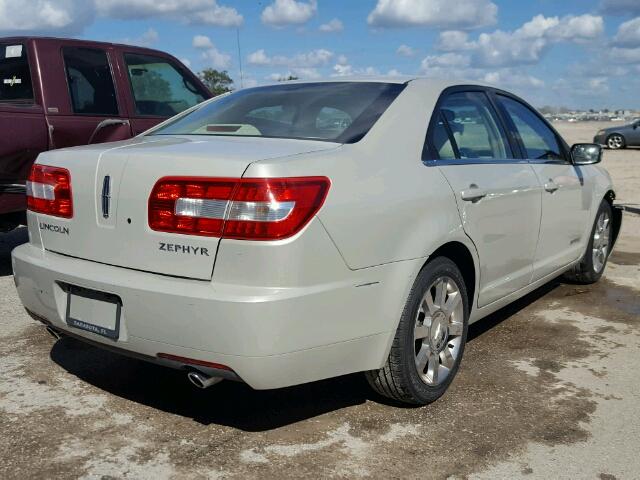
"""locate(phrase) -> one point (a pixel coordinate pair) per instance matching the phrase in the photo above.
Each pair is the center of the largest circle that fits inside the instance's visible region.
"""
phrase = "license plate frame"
(94, 295)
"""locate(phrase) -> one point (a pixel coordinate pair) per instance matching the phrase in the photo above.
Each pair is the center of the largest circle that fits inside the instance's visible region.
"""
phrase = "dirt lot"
(549, 388)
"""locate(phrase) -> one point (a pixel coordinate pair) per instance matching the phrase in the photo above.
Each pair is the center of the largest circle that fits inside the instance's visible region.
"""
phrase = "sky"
(573, 53)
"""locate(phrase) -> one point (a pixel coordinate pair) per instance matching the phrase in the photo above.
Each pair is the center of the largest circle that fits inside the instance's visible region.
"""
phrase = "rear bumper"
(270, 337)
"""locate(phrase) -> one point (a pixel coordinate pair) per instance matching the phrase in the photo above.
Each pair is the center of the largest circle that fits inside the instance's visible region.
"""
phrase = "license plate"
(94, 311)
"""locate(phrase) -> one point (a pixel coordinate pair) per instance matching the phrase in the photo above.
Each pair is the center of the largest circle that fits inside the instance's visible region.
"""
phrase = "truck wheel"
(592, 265)
(429, 343)
(6, 226)
(10, 221)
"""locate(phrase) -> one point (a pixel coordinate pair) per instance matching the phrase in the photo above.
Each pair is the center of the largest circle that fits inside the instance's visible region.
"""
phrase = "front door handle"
(473, 194)
(551, 186)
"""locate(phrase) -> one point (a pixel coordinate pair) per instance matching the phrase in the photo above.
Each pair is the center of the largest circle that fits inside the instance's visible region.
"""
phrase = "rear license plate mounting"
(101, 299)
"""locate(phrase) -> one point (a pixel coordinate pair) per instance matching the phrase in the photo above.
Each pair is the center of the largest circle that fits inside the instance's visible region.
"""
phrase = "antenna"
(239, 56)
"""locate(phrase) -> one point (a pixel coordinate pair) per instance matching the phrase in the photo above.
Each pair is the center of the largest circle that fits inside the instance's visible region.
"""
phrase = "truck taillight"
(245, 208)
(49, 191)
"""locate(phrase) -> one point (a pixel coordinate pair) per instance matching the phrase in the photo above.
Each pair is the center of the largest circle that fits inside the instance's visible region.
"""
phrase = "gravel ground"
(549, 388)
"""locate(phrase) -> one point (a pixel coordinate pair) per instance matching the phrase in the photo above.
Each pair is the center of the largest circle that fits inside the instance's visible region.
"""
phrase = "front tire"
(594, 261)
(430, 339)
(615, 141)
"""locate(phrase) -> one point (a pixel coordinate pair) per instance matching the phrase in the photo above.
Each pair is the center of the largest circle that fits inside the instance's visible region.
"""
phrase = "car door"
(93, 113)
(633, 136)
(159, 88)
(498, 196)
(566, 199)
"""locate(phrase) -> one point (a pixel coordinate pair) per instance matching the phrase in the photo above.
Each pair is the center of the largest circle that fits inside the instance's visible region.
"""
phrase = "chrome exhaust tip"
(201, 380)
(54, 332)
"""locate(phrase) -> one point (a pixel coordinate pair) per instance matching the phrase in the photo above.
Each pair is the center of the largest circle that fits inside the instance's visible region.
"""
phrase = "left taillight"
(49, 191)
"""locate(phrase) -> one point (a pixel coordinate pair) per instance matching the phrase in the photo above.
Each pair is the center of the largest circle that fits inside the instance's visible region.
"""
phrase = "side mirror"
(586, 153)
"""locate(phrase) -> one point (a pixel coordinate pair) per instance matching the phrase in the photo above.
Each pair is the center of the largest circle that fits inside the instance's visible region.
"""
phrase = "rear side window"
(15, 77)
(467, 128)
(90, 81)
(442, 141)
(159, 87)
(538, 139)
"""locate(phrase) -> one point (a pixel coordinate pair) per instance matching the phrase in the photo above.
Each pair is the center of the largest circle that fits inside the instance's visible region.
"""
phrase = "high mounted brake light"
(49, 191)
(244, 209)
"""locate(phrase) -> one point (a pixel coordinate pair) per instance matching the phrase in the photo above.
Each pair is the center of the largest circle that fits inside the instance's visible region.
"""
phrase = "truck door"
(93, 113)
(23, 133)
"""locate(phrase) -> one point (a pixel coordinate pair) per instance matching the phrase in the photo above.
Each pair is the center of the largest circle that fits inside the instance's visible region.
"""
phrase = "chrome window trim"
(489, 161)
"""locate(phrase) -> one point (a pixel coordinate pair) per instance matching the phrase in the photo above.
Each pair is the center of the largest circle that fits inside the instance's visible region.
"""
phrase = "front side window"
(15, 76)
(160, 88)
(538, 139)
(90, 81)
(467, 126)
(340, 112)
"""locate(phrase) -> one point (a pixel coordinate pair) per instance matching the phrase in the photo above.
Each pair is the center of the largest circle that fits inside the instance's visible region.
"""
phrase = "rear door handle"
(473, 193)
(551, 186)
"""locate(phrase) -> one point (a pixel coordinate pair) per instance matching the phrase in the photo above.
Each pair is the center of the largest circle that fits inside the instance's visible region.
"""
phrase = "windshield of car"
(340, 112)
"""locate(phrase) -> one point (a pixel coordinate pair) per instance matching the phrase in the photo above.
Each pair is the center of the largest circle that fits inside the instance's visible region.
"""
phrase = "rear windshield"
(15, 78)
(340, 112)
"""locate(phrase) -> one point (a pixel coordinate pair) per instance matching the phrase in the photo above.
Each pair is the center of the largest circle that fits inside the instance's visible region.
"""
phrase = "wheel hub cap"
(439, 331)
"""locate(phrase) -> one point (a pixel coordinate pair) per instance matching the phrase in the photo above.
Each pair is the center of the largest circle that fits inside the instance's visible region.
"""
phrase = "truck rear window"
(15, 77)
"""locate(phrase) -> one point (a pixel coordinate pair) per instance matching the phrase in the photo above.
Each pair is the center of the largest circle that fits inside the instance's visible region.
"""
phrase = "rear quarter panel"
(384, 204)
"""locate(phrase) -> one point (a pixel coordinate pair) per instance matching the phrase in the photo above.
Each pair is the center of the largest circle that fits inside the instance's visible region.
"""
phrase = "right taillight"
(49, 191)
(245, 208)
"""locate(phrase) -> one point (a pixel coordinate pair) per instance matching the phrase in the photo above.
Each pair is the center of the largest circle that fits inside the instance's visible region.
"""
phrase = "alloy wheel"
(615, 142)
(600, 247)
(438, 331)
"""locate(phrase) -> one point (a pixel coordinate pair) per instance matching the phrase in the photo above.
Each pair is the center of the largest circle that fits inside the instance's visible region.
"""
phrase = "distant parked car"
(59, 93)
(619, 137)
(255, 239)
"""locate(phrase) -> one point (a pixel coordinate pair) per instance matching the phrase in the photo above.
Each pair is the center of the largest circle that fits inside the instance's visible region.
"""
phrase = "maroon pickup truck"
(58, 93)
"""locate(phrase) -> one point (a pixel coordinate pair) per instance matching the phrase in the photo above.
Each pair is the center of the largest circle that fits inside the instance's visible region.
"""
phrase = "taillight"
(245, 209)
(49, 191)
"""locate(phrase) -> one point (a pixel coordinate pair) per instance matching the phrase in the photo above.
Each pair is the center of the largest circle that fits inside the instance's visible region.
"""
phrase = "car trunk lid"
(111, 186)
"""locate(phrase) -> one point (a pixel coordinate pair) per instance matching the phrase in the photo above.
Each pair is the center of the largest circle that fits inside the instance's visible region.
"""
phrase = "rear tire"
(430, 340)
(594, 261)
